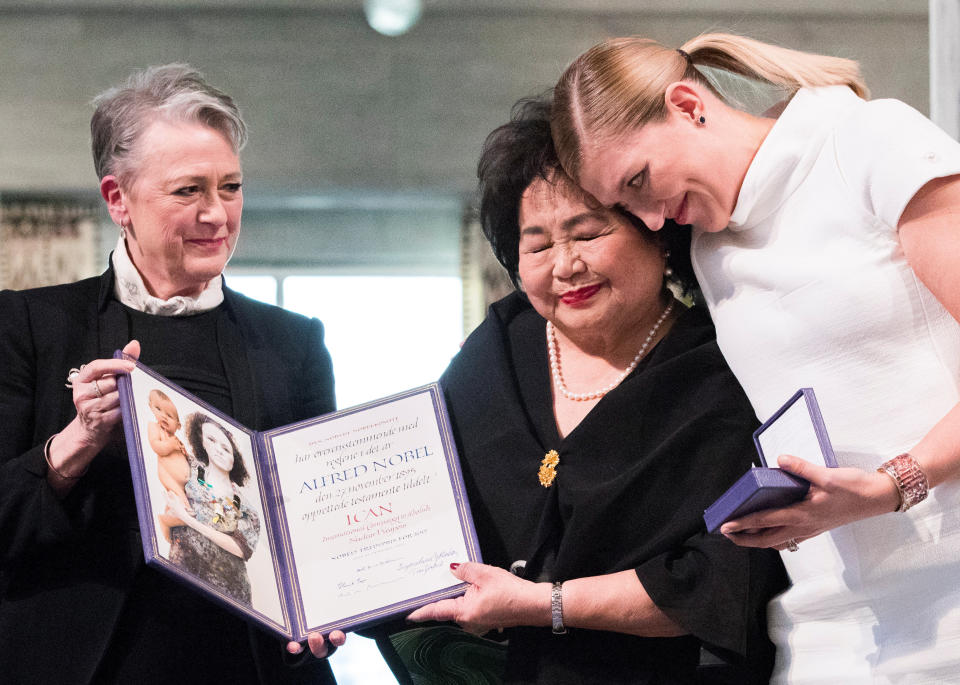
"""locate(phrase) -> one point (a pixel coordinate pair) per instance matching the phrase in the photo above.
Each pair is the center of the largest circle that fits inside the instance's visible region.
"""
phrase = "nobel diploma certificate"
(368, 503)
(335, 522)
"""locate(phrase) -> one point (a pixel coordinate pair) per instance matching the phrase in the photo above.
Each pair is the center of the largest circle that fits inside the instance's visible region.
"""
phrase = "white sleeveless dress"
(809, 287)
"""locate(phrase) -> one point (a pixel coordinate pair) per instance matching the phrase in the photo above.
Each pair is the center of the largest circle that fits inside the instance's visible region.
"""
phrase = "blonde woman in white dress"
(826, 241)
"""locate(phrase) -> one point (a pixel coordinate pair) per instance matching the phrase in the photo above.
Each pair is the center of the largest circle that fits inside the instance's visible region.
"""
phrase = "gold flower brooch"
(548, 468)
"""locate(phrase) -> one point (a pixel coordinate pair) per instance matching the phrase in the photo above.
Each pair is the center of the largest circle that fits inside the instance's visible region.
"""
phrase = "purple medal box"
(797, 429)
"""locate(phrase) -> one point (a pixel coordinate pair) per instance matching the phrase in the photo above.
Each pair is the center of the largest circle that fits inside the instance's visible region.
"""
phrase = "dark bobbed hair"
(195, 422)
(520, 152)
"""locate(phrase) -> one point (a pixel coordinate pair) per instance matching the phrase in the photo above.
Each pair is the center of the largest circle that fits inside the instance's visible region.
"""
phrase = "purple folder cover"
(283, 610)
(764, 487)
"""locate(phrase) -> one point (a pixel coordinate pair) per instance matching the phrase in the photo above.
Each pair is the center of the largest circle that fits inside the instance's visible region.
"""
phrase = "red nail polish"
(454, 566)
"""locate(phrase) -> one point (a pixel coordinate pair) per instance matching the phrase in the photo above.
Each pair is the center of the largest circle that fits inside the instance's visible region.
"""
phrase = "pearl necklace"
(584, 396)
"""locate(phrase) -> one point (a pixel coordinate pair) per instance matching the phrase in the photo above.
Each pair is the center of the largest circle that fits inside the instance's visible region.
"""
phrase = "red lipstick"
(580, 295)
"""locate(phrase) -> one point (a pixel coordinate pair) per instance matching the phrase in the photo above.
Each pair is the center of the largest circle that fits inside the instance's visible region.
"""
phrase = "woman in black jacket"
(77, 604)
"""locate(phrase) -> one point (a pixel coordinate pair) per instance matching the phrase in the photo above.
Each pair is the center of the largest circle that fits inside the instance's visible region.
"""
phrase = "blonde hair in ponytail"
(620, 84)
(789, 69)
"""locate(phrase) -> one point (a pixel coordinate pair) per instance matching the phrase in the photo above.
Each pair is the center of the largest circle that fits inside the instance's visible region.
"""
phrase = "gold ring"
(96, 386)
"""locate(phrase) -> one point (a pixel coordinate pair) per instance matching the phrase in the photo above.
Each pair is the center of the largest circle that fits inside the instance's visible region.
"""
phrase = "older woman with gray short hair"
(77, 603)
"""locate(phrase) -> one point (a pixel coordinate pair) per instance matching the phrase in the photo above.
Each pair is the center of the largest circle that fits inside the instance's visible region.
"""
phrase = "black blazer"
(67, 567)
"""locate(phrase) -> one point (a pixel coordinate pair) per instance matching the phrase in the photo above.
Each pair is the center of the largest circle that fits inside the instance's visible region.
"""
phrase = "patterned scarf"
(131, 291)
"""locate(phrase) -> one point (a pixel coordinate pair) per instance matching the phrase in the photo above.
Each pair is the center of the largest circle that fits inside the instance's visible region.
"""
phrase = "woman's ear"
(113, 196)
(683, 98)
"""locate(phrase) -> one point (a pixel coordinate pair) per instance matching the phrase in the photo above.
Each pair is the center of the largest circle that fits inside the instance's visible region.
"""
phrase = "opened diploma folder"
(797, 429)
(331, 523)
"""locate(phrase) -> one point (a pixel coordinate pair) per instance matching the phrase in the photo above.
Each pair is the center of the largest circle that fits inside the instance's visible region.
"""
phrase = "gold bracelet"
(46, 455)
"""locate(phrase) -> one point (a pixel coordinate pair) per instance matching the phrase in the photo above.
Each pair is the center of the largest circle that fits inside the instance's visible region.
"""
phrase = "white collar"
(129, 288)
(789, 152)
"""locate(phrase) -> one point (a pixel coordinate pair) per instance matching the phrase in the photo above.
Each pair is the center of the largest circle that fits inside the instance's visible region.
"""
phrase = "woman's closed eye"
(638, 179)
(536, 249)
(588, 237)
(592, 230)
(534, 241)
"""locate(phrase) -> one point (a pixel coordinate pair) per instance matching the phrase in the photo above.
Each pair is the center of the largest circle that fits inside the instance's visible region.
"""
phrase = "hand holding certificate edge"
(494, 599)
(320, 647)
(96, 397)
(837, 495)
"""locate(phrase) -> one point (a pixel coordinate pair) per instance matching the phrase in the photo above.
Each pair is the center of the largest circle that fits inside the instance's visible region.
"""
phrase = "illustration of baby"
(172, 465)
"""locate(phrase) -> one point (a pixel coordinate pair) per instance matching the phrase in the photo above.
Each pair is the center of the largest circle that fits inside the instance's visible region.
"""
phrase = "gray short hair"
(176, 92)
